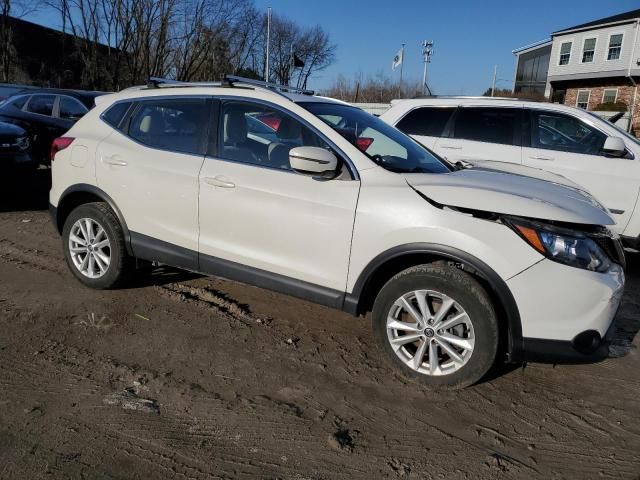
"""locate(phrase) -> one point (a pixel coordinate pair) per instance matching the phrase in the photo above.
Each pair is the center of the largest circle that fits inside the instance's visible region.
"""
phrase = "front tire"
(94, 246)
(437, 325)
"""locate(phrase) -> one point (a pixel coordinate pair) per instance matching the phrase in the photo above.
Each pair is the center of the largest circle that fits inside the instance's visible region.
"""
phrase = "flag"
(397, 60)
(297, 62)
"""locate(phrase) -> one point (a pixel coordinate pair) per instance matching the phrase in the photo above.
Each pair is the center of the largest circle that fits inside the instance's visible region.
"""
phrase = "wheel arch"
(387, 264)
(82, 193)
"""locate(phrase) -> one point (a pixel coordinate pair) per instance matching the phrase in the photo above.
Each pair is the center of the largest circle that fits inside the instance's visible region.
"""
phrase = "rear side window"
(114, 115)
(175, 125)
(427, 121)
(41, 104)
(71, 109)
(18, 102)
(492, 125)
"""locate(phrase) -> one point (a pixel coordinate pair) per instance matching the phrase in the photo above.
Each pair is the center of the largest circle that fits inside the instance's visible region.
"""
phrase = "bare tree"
(374, 89)
(15, 8)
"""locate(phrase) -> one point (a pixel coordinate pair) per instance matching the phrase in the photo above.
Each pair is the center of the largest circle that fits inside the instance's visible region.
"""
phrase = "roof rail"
(260, 83)
(229, 81)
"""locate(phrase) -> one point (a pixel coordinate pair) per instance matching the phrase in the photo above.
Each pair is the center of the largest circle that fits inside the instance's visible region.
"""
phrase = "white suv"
(576, 144)
(312, 197)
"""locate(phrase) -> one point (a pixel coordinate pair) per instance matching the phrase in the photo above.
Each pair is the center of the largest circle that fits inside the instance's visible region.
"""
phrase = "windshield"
(618, 128)
(386, 146)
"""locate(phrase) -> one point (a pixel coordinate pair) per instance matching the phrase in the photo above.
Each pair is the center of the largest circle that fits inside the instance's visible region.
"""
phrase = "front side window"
(615, 46)
(426, 121)
(41, 104)
(565, 53)
(493, 125)
(582, 100)
(588, 50)
(170, 124)
(609, 95)
(388, 147)
(71, 109)
(556, 131)
(260, 135)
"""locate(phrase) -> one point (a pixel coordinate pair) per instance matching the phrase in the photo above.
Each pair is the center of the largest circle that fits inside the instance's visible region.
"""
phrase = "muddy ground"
(182, 376)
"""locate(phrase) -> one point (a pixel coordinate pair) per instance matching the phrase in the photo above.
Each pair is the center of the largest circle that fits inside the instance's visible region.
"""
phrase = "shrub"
(611, 107)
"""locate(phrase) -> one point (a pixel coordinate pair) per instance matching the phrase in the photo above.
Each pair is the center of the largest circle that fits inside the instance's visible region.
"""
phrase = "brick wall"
(625, 94)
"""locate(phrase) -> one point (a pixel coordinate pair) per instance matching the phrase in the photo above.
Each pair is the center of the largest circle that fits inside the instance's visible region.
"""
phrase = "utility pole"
(266, 64)
(493, 86)
(427, 51)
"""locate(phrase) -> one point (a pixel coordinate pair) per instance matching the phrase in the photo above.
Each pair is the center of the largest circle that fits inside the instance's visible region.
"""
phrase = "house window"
(565, 53)
(615, 46)
(583, 99)
(588, 50)
(610, 95)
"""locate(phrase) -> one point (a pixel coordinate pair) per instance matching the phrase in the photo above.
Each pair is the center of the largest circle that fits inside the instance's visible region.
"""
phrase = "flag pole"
(401, 67)
(266, 66)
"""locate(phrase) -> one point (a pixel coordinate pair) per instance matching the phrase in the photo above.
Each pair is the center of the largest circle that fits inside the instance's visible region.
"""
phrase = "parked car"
(15, 149)
(595, 154)
(457, 266)
(8, 89)
(46, 114)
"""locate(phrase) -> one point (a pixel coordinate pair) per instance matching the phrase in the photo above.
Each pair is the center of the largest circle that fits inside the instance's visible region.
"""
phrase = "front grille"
(612, 246)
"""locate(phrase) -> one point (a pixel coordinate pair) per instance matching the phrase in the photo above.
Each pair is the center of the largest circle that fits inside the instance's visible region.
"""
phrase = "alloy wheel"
(430, 332)
(89, 248)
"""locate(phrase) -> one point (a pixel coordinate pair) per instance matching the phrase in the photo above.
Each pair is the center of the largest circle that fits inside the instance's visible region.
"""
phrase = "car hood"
(8, 129)
(518, 169)
(501, 192)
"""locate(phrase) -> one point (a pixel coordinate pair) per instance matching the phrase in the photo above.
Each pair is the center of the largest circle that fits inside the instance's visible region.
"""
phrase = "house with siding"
(594, 63)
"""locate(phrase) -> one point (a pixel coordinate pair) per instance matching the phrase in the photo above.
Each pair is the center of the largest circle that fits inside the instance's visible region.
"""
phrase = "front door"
(566, 145)
(257, 212)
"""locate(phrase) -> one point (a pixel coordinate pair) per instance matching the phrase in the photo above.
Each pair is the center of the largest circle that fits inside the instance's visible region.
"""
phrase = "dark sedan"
(46, 114)
(15, 148)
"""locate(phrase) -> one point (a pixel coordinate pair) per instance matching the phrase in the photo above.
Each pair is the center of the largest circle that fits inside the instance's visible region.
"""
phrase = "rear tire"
(94, 247)
(411, 328)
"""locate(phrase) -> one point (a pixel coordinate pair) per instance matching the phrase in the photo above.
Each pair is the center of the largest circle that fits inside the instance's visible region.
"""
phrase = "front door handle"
(219, 181)
(114, 160)
(537, 157)
(451, 147)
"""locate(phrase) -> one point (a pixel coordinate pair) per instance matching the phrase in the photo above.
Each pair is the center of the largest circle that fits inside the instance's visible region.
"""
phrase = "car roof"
(409, 104)
(139, 92)
(87, 97)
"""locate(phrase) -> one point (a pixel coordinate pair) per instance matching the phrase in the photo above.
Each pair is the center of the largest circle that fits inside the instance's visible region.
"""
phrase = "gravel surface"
(182, 376)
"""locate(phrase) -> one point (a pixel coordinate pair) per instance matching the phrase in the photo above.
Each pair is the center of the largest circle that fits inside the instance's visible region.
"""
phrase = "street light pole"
(493, 86)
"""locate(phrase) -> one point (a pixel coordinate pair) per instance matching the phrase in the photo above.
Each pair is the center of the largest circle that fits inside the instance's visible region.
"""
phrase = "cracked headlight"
(561, 245)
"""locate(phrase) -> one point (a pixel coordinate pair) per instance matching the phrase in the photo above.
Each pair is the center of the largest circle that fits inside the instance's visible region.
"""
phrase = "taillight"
(58, 144)
(363, 143)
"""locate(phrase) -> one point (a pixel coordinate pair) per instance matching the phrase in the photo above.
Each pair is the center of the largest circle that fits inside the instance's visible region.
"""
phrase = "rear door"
(483, 133)
(38, 116)
(150, 167)
(569, 146)
(426, 124)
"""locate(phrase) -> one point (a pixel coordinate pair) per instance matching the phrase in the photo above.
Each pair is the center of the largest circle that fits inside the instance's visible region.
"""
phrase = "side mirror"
(614, 146)
(312, 160)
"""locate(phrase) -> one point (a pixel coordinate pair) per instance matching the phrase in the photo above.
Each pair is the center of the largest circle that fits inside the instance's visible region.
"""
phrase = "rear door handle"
(219, 181)
(536, 157)
(451, 147)
(114, 160)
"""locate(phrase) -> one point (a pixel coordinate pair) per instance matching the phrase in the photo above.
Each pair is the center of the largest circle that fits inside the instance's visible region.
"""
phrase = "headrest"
(152, 123)
(289, 129)
(235, 127)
